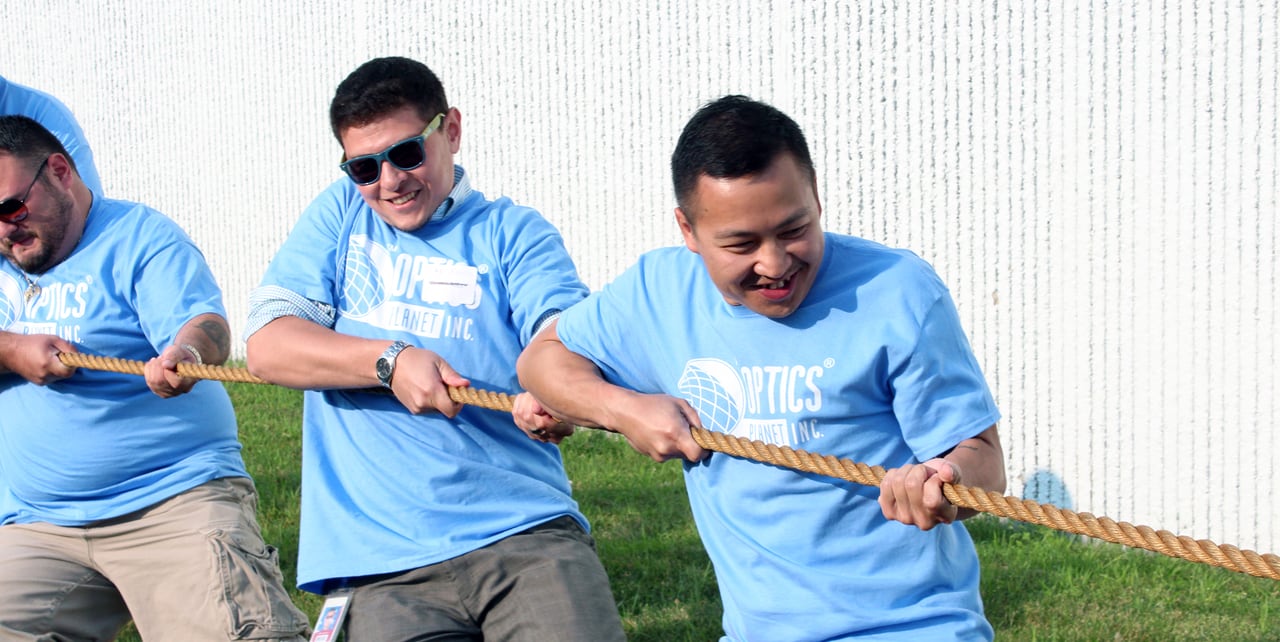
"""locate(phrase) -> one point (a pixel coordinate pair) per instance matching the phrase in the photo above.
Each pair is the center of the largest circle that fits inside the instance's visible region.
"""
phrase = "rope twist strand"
(1023, 510)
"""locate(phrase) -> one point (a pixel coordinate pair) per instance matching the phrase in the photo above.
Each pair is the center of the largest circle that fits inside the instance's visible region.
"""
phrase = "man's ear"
(813, 182)
(60, 168)
(686, 230)
(453, 129)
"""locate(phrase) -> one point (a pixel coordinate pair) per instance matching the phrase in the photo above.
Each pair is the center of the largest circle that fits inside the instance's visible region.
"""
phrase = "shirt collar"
(461, 190)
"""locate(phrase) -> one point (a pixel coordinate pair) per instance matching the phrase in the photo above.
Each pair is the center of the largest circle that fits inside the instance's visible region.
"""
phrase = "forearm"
(568, 385)
(8, 351)
(571, 388)
(980, 461)
(209, 336)
(297, 353)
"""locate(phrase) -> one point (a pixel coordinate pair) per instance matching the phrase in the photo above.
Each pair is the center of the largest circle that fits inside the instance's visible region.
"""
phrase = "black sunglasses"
(405, 155)
(14, 210)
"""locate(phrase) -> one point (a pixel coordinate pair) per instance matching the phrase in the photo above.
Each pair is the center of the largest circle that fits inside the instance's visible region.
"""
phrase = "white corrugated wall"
(1096, 181)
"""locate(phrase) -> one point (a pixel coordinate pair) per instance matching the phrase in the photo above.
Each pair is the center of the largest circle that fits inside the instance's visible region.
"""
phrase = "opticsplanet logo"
(57, 309)
(758, 402)
(388, 291)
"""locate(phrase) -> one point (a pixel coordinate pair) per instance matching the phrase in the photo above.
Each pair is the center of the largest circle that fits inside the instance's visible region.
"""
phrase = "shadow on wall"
(1045, 487)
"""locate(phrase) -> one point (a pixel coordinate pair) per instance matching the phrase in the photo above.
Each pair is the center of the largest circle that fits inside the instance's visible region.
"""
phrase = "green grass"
(1038, 585)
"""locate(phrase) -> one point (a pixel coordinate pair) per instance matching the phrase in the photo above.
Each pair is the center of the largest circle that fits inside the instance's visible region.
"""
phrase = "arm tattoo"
(218, 336)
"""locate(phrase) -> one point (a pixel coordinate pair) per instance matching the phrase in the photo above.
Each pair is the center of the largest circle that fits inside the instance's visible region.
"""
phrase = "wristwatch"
(386, 365)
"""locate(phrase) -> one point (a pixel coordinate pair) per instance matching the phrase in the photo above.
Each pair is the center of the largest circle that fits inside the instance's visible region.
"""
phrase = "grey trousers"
(546, 583)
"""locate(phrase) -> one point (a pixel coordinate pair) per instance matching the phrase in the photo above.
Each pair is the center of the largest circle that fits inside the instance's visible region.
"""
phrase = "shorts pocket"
(253, 588)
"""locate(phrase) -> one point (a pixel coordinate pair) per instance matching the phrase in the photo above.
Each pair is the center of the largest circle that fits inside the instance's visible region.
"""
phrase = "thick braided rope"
(1023, 510)
(126, 366)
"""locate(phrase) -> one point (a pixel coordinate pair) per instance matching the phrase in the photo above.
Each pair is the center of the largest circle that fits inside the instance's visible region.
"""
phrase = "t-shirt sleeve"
(172, 283)
(940, 396)
(305, 264)
(541, 278)
(612, 329)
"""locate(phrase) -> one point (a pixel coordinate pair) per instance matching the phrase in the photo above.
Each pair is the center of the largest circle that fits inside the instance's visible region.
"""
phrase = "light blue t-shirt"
(100, 444)
(384, 490)
(872, 367)
(16, 99)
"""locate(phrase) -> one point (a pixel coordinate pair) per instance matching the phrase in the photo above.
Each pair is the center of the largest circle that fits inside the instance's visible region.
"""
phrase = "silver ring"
(539, 432)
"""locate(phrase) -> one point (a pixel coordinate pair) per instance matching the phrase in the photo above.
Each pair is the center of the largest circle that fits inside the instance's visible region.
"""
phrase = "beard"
(50, 233)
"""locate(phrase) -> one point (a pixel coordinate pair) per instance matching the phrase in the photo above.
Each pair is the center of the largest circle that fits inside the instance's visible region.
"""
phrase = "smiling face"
(759, 235)
(407, 199)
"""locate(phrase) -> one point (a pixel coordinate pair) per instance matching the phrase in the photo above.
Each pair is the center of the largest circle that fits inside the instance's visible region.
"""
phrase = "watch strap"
(385, 368)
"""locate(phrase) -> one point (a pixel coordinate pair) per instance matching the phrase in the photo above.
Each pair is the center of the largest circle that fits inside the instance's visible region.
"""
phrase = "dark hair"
(381, 86)
(733, 137)
(29, 140)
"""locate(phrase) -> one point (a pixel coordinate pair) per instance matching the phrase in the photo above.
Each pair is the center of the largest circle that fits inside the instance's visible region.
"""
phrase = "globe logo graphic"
(713, 389)
(10, 298)
(362, 289)
(7, 314)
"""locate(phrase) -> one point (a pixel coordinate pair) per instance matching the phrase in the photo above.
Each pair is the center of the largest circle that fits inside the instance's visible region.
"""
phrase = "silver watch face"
(384, 369)
(385, 366)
